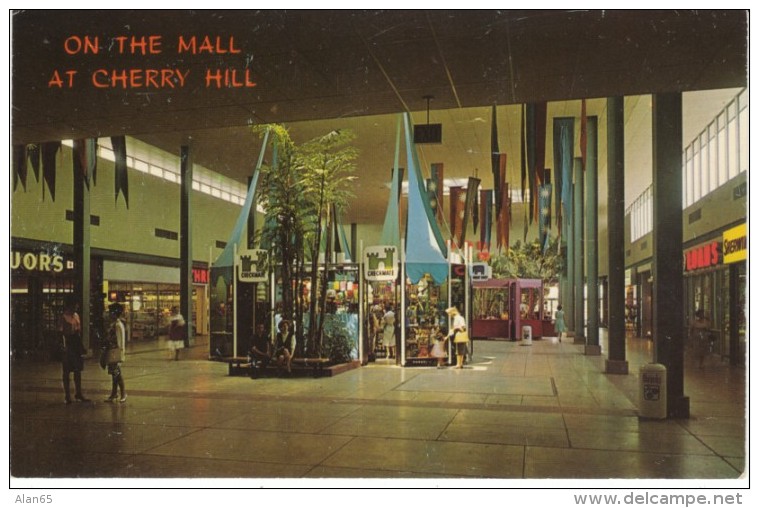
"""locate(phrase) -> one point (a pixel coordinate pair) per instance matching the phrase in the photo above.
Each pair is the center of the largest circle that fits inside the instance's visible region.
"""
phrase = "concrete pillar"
(82, 244)
(185, 240)
(579, 260)
(592, 344)
(615, 167)
(668, 312)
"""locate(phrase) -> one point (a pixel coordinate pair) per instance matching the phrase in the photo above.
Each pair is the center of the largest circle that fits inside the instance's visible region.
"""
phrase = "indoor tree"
(301, 190)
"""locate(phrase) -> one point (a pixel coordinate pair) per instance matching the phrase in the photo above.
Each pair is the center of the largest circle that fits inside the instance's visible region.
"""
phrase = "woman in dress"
(459, 334)
(560, 324)
(116, 340)
(72, 359)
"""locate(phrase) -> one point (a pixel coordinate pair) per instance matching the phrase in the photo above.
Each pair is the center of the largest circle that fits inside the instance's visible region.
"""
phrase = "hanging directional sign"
(381, 262)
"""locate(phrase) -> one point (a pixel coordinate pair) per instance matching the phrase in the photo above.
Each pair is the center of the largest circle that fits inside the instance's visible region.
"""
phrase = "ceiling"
(343, 69)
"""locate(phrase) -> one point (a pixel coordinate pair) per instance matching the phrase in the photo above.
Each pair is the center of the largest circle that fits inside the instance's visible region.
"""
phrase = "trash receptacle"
(653, 391)
(527, 335)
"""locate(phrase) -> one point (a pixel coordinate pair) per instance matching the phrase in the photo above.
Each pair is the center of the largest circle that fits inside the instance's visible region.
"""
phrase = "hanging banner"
(381, 263)
(252, 265)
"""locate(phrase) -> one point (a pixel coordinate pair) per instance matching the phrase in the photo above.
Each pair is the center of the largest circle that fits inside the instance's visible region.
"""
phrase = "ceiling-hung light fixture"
(431, 132)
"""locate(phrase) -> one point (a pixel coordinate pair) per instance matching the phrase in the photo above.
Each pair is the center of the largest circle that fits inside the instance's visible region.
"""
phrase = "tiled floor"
(540, 412)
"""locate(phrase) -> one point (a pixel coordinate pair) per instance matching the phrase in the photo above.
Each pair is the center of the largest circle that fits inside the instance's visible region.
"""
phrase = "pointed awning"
(423, 239)
(227, 257)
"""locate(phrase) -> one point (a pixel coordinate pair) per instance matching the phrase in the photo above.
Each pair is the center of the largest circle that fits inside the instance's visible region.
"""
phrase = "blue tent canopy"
(425, 250)
(227, 257)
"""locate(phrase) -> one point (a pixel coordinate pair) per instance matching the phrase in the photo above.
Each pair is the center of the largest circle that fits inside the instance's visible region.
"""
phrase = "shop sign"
(735, 244)
(481, 271)
(199, 276)
(252, 265)
(381, 263)
(703, 256)
(39, 262)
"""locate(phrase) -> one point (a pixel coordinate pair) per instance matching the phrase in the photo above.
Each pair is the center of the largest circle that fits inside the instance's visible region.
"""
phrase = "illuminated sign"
(735, 244)
(39, 262)
(199, 276)
(702, 256)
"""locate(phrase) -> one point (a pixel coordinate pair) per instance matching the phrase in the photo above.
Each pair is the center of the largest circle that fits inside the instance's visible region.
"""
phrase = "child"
(438, 349)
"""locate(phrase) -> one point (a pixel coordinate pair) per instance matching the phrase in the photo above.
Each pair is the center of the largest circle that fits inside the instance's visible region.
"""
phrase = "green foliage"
(337, 342)
(528, 261)
(301, 189)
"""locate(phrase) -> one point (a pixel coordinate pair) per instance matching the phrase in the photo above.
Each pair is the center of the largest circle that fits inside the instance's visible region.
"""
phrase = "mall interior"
(619, 140)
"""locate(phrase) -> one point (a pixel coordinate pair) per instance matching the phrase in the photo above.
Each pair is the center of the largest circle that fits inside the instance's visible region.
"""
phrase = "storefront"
(149, 292)
(715, 282)
(42, 274)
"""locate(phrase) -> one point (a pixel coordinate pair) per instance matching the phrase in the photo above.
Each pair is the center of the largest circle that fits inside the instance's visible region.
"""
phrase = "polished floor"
(545, 411)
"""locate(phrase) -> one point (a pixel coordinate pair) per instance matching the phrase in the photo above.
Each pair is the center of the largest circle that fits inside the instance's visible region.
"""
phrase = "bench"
(240, 365)
(316, 364)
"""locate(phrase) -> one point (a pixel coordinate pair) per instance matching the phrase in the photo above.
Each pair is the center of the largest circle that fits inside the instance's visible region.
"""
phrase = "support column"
(592, 344)
(569, 296)
(185, 241)
(615, 167)
(668, 313)
(82, 243)
(579, 262)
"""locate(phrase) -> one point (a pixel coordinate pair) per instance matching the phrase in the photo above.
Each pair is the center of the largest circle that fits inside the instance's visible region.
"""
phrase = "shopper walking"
(459, 334)
(72, 350)
(559, 323)
(116, 341)
(699, 335)
(177, 331)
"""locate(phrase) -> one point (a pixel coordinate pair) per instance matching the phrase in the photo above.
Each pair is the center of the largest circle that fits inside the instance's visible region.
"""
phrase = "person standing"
(177, 328)
(460, 335)
(388, 331)
(438, 350)
(72, 361)
(699, 334)
(116, 340)
(559, 323)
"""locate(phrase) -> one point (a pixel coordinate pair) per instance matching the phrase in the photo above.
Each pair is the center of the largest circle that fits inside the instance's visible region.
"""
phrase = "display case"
(490, 309)
(529, 294)
(426, 302)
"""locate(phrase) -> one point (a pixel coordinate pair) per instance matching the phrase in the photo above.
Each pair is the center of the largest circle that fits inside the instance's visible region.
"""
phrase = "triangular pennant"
(486, 213)
(494, 154)
(49, 153)
(472, 189)
(437, 177)
(544, 222)
(456, 212)
(523, 150)
(33, 153)
(85, 158)
(19, 166)
(121, 179)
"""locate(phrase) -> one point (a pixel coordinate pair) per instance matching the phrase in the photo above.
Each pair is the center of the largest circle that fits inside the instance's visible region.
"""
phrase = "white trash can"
(653, 391)
(527, 335)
